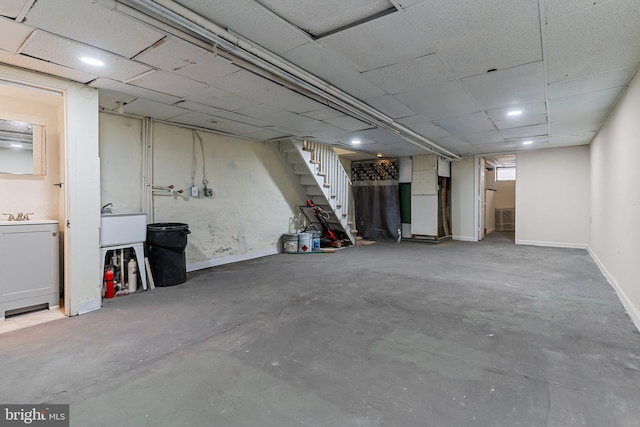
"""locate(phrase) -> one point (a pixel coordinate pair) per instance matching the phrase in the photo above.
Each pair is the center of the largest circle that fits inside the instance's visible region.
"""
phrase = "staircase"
(326, 181)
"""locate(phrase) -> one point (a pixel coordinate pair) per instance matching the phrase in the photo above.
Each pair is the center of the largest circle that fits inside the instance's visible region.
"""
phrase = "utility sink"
(118, 229)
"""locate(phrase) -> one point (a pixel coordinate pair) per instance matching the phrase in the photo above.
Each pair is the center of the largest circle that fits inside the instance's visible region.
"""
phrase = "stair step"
(301, 169)
(333, 196)
(344, 215)
(294, 158)
(314, 162)
(320, 173)
(349, 223)
(308, 180)
(287, 146)
(314, 190)
(339, 206)
(327, 185)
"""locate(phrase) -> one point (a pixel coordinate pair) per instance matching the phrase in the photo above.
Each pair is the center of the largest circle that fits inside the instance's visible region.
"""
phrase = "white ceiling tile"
(383, 41)
(514, 86)
(265, 135)
(521, 121)
(45, 67)
(67, 53)
(415, 73)
(157, 110)
(423, 126)
(333, 68)
(348, 123)
(277, 117)
(319, 17)
(323, 113)
(206, 121)
(229, 115)
(185, 59)
(108, 99)
(196, 106)
(475, 36)
(252, 20)
(11, 8)
(600, 38)
(171, 84)
(572, 107)
(94, 24)
(592, 82)
(525, 132)
(224, 100)
(390, 106)
(112, 85)
(466, 125)
(489, 137)
(251, 86)
(444, 100)
(325, 132)
(13, 35)
(557, 8)
(534, 109)
(405, 4)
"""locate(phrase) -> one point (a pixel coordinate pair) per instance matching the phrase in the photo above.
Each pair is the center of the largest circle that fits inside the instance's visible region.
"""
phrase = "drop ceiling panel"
(277, 117)
(325, 131)
(221, 99)
(380, 136)
(525, 132)
(323, 113)
(13, 35)
(390, 106)
(252, 20)
(109, 100)
(187, 60)
(466, 125)
(483, 138)
(228, 115)
(94, 24)
(600, 38)
(521, 121)
(514, 86)
(265, 135)
(195, 106)
(255, 87)
(592, 83)
(572, 107)
(11, 8)
(112, 85)
(222, 125)
(319, 17)
(557, 8)
(447, 99)
(171, 84)
(384, 41)
(348, 123)
(45, 67)
(67, 53)
(333, 68)
(535, 109)
(415, 73)
(475, 36)
(157, 110)
(423, 126)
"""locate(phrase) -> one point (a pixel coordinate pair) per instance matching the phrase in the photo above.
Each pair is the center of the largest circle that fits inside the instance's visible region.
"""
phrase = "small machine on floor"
(330, 238)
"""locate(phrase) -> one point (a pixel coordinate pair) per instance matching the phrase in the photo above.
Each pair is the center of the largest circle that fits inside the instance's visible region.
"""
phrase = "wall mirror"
(22, 147)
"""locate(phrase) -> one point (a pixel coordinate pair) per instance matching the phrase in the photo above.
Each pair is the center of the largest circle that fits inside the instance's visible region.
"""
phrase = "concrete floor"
(410, 334)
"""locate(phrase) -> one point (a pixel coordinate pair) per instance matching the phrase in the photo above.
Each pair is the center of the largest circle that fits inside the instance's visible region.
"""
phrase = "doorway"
(497, 197)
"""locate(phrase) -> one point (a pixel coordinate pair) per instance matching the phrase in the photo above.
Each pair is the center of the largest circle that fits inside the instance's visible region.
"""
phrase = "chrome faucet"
(11, 217)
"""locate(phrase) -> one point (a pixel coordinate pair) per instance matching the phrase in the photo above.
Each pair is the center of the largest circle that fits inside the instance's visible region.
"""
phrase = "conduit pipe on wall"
(190, 22)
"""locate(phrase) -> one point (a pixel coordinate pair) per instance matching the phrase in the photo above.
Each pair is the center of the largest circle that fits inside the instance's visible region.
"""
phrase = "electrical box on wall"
(208, 192)
(194, 191)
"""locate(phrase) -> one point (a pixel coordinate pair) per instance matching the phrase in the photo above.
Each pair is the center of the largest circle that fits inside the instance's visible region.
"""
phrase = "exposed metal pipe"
(185, 19)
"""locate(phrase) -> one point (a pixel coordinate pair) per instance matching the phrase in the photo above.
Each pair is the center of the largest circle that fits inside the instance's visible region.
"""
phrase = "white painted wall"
(552, 204)
(463, 199)
(256, 193)
(121, 166)
(615, 199)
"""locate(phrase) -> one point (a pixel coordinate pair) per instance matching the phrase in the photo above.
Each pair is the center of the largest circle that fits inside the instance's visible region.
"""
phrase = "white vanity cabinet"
(29, 266)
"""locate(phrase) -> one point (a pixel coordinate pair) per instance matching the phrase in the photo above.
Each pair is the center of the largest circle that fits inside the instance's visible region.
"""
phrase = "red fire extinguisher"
(109, 288)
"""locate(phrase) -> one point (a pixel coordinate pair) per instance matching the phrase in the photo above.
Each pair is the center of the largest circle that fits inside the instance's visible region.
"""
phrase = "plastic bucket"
(315, 240)
(304, 242)
(290, 241)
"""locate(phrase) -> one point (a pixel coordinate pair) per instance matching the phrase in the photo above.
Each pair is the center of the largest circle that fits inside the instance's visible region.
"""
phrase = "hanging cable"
(194, 159)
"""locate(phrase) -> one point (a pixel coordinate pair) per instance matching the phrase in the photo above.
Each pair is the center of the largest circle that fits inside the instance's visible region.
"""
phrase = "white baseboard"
(553, 244)
(231, 259)
(464, 238)
(91, 305)
(632, 310)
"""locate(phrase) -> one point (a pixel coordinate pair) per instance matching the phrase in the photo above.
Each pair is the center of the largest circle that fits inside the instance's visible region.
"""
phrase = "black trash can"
(166, 242)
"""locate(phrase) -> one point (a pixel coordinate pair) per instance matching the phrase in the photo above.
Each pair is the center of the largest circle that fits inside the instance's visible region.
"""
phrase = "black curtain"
(377, 199)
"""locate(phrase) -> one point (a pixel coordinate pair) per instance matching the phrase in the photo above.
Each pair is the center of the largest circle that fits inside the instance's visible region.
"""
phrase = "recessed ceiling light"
(527, 142)
(355, 141)
(379, 155)
(514, 113)
(16, 145)
(92, 61)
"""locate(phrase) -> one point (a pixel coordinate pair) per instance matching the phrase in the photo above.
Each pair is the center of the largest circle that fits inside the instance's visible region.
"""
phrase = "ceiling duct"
(189, 22)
